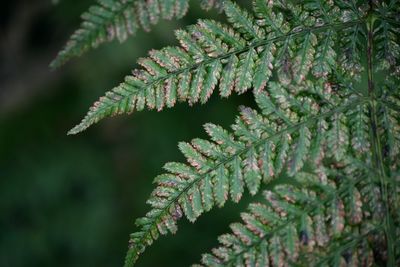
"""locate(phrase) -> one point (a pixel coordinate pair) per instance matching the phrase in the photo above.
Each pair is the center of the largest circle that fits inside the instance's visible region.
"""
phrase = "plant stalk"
(376, 144)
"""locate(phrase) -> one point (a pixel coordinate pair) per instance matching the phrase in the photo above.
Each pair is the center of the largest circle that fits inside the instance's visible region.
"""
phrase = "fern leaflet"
(117, 19)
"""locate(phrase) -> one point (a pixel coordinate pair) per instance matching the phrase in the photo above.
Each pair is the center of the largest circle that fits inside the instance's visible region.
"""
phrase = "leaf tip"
(77, 129)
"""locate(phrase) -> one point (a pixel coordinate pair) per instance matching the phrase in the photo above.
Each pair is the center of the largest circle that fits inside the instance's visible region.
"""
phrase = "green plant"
(325, 143)
(117, 19)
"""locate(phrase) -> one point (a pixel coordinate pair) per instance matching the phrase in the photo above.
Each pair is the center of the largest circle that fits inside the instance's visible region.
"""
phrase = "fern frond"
(257, 152)
(236, 57)
(390, 118)
(359, 126)
(322, 221)
(387, 37)
(118, 19)
(327, 125)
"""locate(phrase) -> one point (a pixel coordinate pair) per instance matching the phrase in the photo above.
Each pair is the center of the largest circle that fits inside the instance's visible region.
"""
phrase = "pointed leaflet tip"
(77, 129)
(82, 126)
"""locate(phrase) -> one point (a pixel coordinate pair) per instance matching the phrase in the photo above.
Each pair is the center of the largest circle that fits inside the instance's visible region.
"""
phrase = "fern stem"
(376, 144)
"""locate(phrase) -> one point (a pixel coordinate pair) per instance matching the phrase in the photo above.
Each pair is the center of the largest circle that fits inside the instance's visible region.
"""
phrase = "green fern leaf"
(326, 141)
(296, 219)
(224, 167)
(387, 36)
(209, 45)
(108, 20)
(303, 144)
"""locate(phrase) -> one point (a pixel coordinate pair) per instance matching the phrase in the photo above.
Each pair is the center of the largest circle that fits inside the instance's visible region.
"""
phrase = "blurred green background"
(72, 200)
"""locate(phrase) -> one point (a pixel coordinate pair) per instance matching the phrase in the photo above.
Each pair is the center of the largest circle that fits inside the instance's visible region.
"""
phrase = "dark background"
(72, 200)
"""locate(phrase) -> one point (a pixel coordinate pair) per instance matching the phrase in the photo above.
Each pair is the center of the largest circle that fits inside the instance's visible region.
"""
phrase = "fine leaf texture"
(259, 151)
(325, 138)
(108, 20)
(319, 133)
(297, 224)
(234, 58)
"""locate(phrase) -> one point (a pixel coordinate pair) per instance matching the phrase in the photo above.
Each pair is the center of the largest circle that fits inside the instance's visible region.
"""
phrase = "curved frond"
(325, 76)
(261, 148)
(234, 58)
